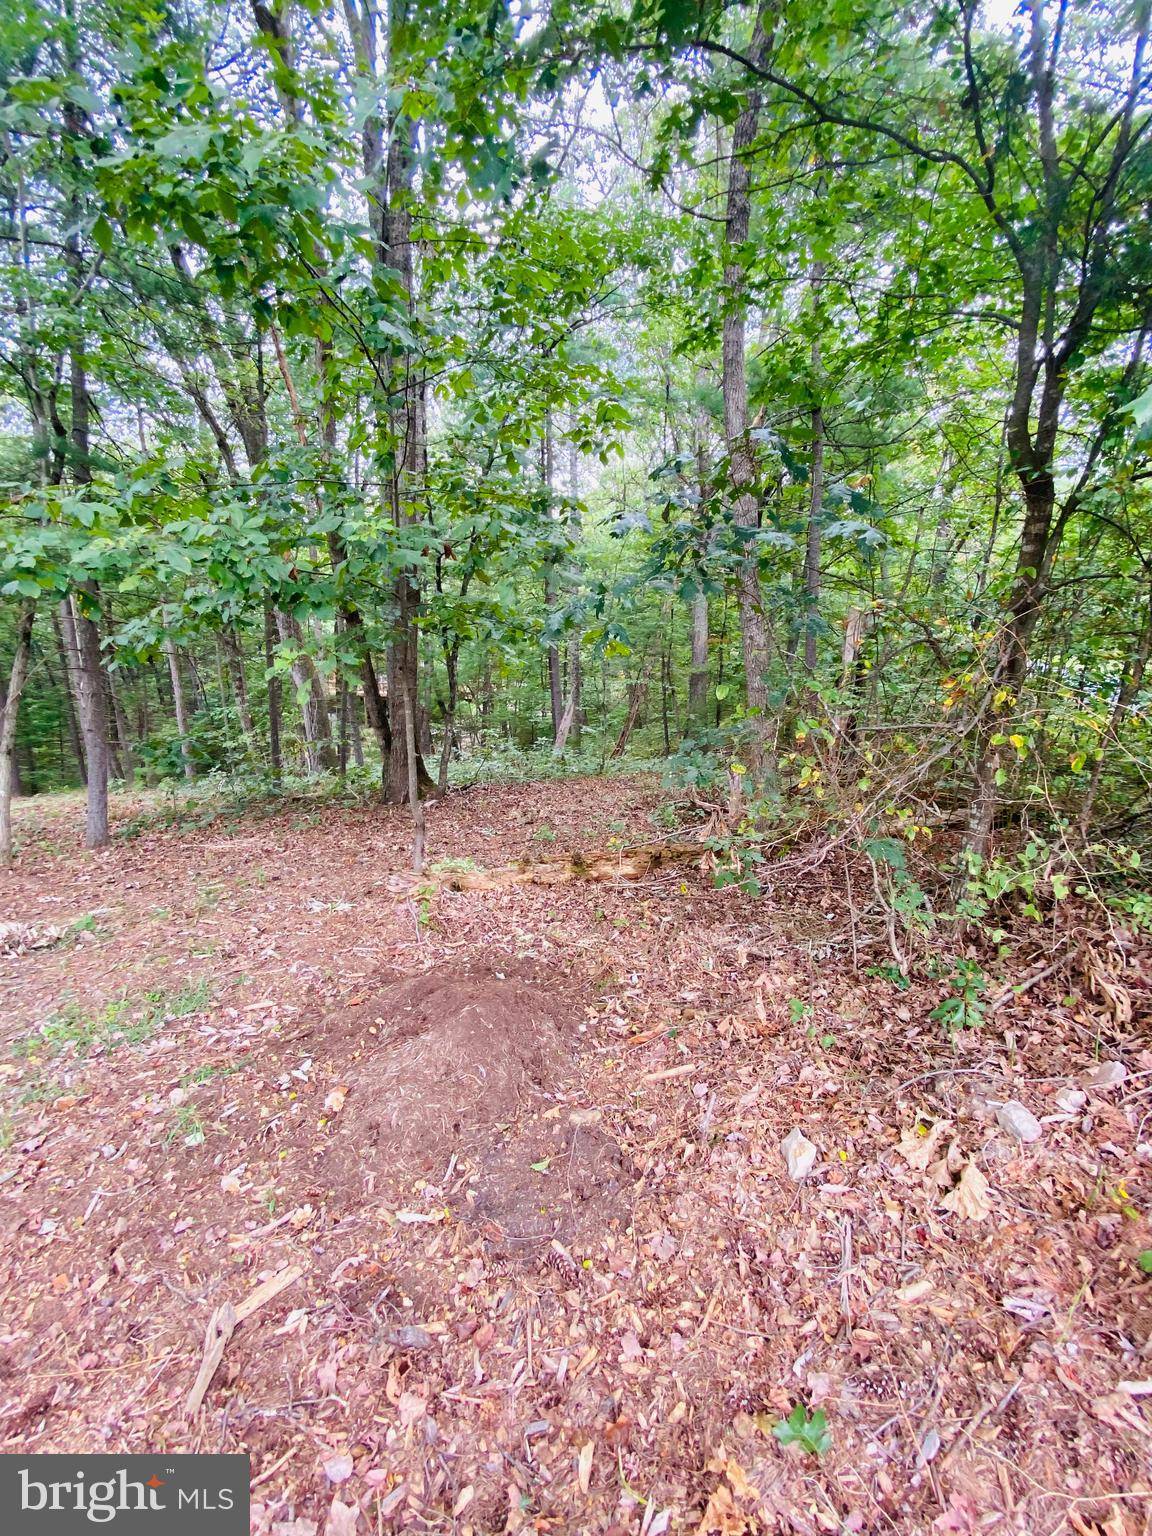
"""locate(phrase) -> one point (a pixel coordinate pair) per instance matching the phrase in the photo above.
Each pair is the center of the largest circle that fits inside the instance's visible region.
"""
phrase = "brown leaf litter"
(522, 1145)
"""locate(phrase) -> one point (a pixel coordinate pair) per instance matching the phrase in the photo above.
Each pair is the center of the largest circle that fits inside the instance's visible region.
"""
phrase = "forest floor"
(493, 1181)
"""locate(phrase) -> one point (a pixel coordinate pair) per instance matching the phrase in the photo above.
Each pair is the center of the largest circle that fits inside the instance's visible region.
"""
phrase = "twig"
(1017, 989)
(989, 1411)
(274, 1468)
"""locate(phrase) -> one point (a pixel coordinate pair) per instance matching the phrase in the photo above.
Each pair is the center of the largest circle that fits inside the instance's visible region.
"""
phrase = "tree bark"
(389, 169)
(234, 654)
(816, 498)
(698, 676)
(1129, 689)
(93, 719)
(275, 751)
(638, 693)
(754, 625)
(90, 670)
(452, 666)
(16, 680)
(65, 631)
(312, 696)
(180, 705)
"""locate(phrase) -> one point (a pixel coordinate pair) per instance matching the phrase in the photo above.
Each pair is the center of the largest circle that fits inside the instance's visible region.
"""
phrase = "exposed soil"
(449, 1054)
(523, 1147)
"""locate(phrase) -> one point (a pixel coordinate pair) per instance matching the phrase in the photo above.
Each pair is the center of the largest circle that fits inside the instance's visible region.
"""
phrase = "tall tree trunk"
(1130, 686)
(275, 750)
(852, 674)
(816, 496)
(575, 662)
(93, 717)
(452, 667)
(312, 697)
(354, 727)
(8, 716)
(342, 717)
(65, 630)
(696, 716)
(754, 626)
(570, 716)
(1008, 674)
(412, 758)
(388, 158)
(15, 785)
(179, 701)
(234, 654)
(637, 694)
(121, 742)
(90, 671)
(698, 676)
(555, 680)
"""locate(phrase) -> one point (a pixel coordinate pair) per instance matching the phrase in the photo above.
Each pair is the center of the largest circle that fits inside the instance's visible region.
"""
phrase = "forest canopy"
(430, 392)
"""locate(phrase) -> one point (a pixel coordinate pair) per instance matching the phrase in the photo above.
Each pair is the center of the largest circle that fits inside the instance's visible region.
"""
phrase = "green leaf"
(103, 234)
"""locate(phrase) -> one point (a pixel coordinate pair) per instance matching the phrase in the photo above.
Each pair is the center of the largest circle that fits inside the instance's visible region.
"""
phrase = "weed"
(544, 834)
(178, 1005)
(7, 1132)
(965, 1008)
(85, 924)
(798, 1010)
(186, 1126)
(206, 1073)
(809, 1431)
(891, 973)
(454, 866)
(41, 1090)
(119, 1023)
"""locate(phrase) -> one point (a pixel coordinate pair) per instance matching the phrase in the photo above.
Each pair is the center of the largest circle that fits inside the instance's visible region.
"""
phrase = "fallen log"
(605, 864)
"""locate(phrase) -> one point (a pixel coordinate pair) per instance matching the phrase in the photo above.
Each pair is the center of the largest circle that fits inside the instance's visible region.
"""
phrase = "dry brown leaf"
(584, 1465)
(969, 1199)
(341, 1519)
(917, 1147)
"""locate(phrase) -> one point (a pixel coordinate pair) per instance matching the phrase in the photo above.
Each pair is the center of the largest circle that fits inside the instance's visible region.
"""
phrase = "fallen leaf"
(917, 1147)
(338, 1469)
(334, 1103)
(910, 1294)
(969, 1199)
(342, 1519)
(584, 1465)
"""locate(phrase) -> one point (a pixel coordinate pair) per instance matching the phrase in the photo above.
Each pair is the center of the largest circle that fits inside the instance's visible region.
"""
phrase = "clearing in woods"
(499, 1172)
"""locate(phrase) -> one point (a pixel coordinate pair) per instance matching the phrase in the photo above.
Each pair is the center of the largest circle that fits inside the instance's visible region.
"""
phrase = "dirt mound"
(562, 1180)
(458, 1053)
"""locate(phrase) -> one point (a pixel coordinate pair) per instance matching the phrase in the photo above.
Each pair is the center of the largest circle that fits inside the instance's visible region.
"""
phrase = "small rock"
(1070, 1100)
(409, 1337)
(929, 1448)
(1018, 1121)
(799, 1154)
(1107, 1075)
